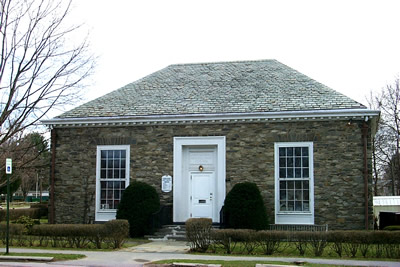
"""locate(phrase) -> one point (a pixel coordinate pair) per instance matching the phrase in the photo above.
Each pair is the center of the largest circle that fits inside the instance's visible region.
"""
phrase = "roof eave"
(215, 118)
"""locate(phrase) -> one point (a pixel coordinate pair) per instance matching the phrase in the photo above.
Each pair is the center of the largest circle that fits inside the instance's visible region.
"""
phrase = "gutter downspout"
(365, 144)
(52, 174)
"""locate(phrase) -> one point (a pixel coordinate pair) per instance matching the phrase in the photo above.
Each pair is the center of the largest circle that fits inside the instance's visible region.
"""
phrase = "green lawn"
(237, 263)
(130, 242)
(57, 257)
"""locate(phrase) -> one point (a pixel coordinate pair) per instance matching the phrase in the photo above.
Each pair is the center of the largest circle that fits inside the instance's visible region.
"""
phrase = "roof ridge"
(224, 62)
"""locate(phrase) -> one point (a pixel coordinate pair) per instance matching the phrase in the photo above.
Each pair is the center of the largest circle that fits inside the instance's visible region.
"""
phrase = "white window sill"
(104, 216)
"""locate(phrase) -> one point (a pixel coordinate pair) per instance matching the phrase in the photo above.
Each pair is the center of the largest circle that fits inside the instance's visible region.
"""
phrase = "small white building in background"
(386, 204)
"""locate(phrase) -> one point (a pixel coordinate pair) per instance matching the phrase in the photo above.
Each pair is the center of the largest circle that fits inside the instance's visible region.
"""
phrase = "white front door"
(202, 195)
(198, 178)
(201, 166)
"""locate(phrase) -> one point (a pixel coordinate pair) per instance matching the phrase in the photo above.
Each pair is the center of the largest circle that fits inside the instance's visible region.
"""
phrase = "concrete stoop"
(169, 232)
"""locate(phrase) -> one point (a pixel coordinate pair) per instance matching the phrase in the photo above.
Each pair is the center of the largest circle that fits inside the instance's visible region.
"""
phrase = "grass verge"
(56, 256)
(238, 263)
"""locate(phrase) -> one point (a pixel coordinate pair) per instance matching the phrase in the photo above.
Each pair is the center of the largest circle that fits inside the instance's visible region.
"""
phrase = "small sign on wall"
(166, 183)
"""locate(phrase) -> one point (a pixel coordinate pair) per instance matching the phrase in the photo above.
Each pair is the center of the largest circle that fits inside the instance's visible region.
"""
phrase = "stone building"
(194, 130)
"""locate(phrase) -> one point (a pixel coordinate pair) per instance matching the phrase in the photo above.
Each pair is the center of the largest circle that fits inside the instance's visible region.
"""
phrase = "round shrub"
(138, 202)
(244, 208)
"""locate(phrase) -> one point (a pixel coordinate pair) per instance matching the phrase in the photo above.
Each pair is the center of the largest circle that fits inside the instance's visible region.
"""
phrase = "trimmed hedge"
(138, 203)
(44, 208)
(80, 235)
(34, 213)
(392, 228)
(244, 208)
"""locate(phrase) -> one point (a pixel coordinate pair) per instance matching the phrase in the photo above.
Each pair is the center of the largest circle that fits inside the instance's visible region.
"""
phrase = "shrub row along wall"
(34, 213)
(113, 233)
(350, 243)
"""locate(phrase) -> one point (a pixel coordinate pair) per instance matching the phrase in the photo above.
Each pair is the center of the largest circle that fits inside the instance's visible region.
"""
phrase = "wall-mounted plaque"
(166, 183)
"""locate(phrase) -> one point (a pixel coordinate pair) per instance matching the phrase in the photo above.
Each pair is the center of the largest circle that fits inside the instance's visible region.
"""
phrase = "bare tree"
(31, 157)
(40, 66)
(386, 144)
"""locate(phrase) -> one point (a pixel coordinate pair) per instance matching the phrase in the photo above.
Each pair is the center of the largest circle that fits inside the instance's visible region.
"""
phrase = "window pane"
(282, 195)
(117, 194)
(290, 194)
(305, 151)
(116, 174)
(282, 173)
(103, 164)
(298, 206)
(290, 151)
(103, 154)
(290, 173)
(290, 162)
(290, 185)
(306, 206)
(306, 195)
(305, 185)
(103, 174)
(109, 174)
(123, 173)
(290, 206)
(297, 172)
(282, 162)
(305, 162)
(110, 163)
(282, 151)
(306, 173)
(297, 162)
(117, 185)
(109, 154)
(297, 151)
(299, 195)
(298, 184)
(123, 154)
(282, 185)
(116, 203)
(283, 206)
(117, 154)
(116, 163)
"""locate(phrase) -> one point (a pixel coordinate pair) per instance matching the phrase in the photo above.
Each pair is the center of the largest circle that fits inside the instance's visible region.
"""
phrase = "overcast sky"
(351, 46)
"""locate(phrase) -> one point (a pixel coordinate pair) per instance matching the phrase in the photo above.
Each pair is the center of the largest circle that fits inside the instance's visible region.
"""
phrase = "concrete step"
(169, 232)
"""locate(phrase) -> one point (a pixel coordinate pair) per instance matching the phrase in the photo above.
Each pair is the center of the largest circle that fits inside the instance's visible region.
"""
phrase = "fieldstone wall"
(338, 163)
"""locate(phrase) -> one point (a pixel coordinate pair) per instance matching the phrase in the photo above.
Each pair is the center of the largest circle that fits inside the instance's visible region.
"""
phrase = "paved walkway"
(137, 256)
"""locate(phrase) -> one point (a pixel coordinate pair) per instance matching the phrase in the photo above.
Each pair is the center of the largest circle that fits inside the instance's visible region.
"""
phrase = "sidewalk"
(161, 250)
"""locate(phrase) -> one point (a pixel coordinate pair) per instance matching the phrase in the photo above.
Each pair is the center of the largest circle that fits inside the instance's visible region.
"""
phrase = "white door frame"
(181, 209)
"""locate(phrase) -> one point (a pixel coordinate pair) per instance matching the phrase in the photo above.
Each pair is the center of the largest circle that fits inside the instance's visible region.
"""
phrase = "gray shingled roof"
(214, 88)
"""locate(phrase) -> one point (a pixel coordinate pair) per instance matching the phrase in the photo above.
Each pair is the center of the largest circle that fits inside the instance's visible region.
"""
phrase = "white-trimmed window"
(112, 177)
(294, 183)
